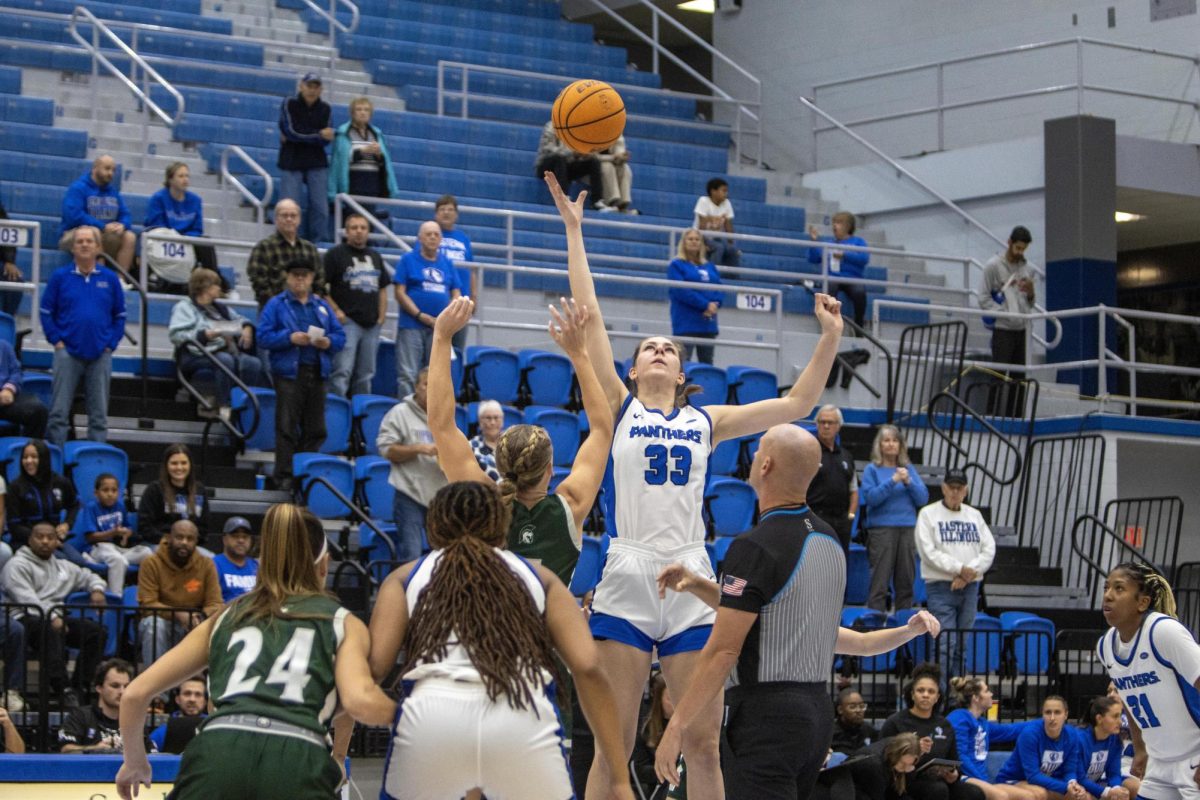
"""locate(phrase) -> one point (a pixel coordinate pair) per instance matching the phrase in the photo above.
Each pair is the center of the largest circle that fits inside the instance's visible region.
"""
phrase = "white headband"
(324, 550)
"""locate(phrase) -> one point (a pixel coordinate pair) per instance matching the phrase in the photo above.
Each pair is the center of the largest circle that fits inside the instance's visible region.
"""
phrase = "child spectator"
(236, 570)
(714, 212)
(104, 533)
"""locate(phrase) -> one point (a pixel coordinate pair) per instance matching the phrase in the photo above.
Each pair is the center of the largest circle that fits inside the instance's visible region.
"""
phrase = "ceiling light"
(1125, 216)
(703, 6)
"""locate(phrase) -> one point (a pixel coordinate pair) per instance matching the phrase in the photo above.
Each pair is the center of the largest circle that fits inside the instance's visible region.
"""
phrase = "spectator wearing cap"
(956, 549)
(236, 569)
(304, 130)
(302, 334)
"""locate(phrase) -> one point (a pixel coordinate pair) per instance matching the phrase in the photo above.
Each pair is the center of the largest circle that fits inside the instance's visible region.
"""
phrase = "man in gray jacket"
(404, 439)
(1008, 286)
(35, 578)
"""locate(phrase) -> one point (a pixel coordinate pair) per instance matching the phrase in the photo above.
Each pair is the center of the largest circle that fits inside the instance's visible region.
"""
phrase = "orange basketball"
(589, 116)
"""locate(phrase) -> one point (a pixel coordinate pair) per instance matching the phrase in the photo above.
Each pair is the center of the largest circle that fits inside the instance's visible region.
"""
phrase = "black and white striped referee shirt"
(791, 571)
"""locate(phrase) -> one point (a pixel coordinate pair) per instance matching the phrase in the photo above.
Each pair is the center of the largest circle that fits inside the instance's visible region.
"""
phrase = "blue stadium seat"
(86, 460)
(749, 384)
(858, 575)
(984, 644)
(462, 420)
(339, 473)
(384, 382)
(110, 619)
(720, 548)
(592, 555)
(371, 475)
(548, 377)
(730, 503)
(563, 427)
(8, 328)
(10, 456)
(339, 422)
(712, 380)
(557, 477)
(368, 411)
(264, 434)
(1032, 641)
(724, 458)
(494, 372)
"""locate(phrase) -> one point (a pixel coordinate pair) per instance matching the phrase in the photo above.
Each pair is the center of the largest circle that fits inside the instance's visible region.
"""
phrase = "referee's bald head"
(788, 458)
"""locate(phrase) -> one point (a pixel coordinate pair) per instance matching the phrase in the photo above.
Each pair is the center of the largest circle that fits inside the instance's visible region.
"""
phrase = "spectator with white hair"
(833, 493)
(491, 425)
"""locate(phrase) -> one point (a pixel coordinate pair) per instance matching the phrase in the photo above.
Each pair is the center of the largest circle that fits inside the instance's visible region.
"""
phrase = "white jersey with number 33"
(660, 465)
(1156, 675)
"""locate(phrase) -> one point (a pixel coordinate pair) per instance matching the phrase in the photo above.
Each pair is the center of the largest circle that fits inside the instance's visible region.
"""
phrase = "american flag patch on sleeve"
(732, 586)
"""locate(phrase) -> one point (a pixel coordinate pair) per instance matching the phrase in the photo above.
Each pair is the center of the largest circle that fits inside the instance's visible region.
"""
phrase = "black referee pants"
(778, 735)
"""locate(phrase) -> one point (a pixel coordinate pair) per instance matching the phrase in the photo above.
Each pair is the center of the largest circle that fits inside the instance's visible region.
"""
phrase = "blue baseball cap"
(234, 524)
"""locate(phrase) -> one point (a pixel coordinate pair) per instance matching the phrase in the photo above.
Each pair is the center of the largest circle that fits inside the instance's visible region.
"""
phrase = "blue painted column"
(1081, 235)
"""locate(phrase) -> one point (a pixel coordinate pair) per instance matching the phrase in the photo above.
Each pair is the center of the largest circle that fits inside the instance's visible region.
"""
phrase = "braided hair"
(522, 456)
(474, 597)
(1152, 584)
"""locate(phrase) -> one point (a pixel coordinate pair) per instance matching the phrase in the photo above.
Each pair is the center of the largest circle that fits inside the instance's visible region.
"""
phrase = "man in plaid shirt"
(268, 258)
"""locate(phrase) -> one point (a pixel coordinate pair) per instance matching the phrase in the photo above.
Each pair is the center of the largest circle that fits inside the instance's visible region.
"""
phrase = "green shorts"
(242, 765)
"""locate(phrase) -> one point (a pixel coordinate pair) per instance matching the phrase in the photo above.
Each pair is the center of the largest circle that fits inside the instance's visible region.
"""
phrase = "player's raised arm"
(583, 289)
(455, 456)
(730, 422)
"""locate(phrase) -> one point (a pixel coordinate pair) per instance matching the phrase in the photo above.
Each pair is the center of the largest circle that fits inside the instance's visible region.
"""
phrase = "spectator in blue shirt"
(842, 263)
(974, 734)
(105, 533)
(175, 208)
(1046, 760)
(17, 407)
(236, 570)
(694, 311)
(83, 317)
(191, 700)
(301, 333)
(892, 494)
(1100, 749)
(93, 200)
(425, 283)
(456, 246)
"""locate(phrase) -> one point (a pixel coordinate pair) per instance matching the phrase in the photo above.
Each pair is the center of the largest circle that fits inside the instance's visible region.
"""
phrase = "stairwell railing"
(211, 408)
(1101, 550)
(261, 204)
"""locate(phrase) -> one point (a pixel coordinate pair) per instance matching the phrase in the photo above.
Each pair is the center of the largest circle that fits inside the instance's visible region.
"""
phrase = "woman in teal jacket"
(361, 164)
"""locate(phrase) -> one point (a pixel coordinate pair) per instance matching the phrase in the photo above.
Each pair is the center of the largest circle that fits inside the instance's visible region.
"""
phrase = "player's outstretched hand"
(924, 622)
(666, 757)
(131, 777)
(568, 327)
(454, 317)
(829, 313)
(676, 577)
(570, 210)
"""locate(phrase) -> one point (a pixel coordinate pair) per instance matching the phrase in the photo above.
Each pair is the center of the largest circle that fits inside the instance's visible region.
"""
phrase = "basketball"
(589, 116)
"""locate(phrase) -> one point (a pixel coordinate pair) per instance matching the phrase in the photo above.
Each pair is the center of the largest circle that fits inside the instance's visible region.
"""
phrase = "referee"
(779, 603)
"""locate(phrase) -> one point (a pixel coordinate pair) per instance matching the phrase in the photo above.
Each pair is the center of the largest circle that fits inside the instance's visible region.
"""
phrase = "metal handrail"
(226, 175)
(657, 14)
(972, 414)
(355, 512)
(1095, 570)
(946, 201)
(240, 436)
(93, 47)
(330, 16)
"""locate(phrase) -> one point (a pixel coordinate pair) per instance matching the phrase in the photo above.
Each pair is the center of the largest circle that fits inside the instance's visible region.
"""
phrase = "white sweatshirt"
(949, 540)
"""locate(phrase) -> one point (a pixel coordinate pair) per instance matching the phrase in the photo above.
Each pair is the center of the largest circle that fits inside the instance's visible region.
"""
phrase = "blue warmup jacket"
(1042, 761)
(85, 313)
(688, 305)
(1099, 764)
(281, 317)
(854, 264)
(186, 217)
(890, 503)
(974, 737)
(88, 203)
(11, 375)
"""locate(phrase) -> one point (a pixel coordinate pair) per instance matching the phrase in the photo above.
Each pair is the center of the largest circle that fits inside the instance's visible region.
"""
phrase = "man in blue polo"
(237, 571)
(301, 333)
(83, 317)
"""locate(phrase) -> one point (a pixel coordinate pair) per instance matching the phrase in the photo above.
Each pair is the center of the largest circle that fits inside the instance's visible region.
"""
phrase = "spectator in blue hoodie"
(1100, 749)
(83, 317)
(94, 200)
(1046, 761)
(892, 494)
(844, 264)
(304, 132)
(175, 208)
(694, 311)
(17, 407)
(301, 333)
(974, 734)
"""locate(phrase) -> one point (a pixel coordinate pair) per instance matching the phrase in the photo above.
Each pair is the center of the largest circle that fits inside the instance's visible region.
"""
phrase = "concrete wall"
(792, 45)
(1162, 466)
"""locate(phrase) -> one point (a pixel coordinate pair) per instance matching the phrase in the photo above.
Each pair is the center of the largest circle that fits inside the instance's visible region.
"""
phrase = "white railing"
(23, 233)
(148, 73)
(1105, 359)
(260, 204)
(939, 106)
(335, 26)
